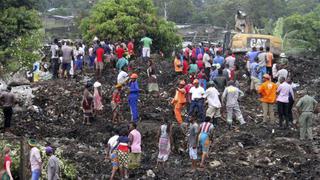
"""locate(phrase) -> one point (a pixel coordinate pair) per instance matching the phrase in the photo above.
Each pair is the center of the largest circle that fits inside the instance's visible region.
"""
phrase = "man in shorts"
(146, 47)
(214, 104)
(99, 60)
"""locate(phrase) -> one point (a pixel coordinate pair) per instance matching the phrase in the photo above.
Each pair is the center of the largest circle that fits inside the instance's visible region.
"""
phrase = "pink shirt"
(135, 138)
(284, 89)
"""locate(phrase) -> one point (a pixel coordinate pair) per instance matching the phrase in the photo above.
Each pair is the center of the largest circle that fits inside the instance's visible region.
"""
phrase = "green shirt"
(193, 68)
(146, 42)
(307, 104)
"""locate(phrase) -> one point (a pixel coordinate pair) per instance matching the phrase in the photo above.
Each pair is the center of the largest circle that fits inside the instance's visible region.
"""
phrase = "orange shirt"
(268, 91)
(180, 97)
(178, 67)
(269, 59)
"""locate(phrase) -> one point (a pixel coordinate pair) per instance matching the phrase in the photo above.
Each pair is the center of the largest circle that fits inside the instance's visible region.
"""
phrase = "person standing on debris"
(55, 58)
(252, 54)
(205, 135)
(220, 81)
(120, 51)
(92, 57)
(116, 104)
(192, 142)
(135, 145)
(153, 87)
(165, 141)
(133, 97)
(214, 105)
(178, 67)
(218, 59)
(53, 167)
(131, 48)
(269, 60)
(67, 59)
(262, 57)
(283, 91)
(35, 160)
(282, 73)
(193, 67)
(231, 95)
(87, 104)
(111, 153)
(122, 62)
(254, 75)
(268, 92)
(97, 94)
(197, 100)
(179, 101)
(207, 62)
(230, 60)
(306, 107)
(291, 100)
(7, 102)
(99, 60)
(123, 76)
(5, 173)
(147, 42)
(123, 152)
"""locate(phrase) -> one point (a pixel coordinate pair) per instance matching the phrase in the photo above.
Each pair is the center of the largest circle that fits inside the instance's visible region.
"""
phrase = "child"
(115, 104)
(87, 107)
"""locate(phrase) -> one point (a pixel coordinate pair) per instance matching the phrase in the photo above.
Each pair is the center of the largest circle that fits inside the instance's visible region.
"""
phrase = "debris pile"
(256, 151)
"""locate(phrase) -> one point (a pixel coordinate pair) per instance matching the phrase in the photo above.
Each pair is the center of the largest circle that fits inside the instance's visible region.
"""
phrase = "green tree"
(122, 20)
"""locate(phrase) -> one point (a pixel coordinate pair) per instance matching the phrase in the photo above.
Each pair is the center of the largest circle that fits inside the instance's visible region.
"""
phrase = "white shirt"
(197, 93)
(54, 49)
(282, 73)
(274, 70)
(35, 159)
(212, 95)
(122, 77)
(113, 141)
(230, 61)
(206, 59)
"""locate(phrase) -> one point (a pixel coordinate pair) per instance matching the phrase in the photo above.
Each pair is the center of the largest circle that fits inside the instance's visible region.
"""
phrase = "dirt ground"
(255, 151)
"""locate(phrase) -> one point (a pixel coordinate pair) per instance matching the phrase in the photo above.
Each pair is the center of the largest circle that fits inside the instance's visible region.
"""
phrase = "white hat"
(96, 84)
(283, 55)
(95, 38)
(218, 66)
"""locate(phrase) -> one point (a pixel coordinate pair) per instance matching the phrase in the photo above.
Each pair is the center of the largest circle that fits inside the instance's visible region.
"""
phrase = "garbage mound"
(256, 151)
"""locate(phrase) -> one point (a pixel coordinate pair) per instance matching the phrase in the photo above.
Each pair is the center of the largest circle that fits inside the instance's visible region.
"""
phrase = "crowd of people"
(208, 89)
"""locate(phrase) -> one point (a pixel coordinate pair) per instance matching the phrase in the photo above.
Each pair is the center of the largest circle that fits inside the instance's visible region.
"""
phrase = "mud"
(255, 151)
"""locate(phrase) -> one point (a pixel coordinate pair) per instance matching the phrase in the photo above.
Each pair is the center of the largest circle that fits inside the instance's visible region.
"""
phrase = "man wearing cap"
(7, 101)
(207, 62)
(231, 95)
(133, 97)
(197, 100)
(306, 107)
(35, 160)
(116, 103)
(283, 59)
(179, 101)
(53, 167)
(214, 105)
(268, 92)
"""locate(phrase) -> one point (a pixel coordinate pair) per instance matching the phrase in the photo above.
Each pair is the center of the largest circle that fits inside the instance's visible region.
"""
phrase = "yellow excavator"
(244, 37)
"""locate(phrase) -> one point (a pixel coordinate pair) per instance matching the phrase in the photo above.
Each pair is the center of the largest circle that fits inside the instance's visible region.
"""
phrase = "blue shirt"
(218, 60)
(199, 51)
(122, 62)
(252, 55)
(213, 74)
(253, 69)
(134, 88)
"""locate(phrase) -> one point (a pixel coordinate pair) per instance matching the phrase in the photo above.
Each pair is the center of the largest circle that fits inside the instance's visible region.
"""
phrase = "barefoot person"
(97, 94)
(205, 136)
(123, 152)
(7, 101)
(116, 103)
(87, 104)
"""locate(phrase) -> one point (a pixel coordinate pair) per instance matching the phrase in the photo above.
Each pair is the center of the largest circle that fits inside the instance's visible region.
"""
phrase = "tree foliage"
(121, 20)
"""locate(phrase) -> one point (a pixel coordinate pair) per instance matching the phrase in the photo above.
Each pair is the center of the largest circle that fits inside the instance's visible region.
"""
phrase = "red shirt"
(130, 47)
(7, 158)
(200, 64)
(99, 53)
(119, 52)
(185, 67)
(116, 97)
